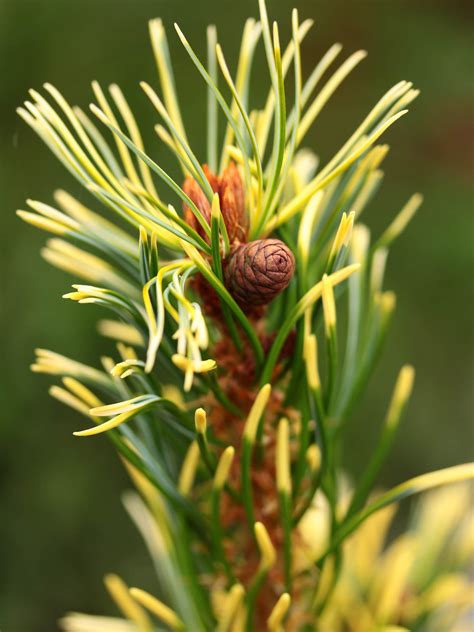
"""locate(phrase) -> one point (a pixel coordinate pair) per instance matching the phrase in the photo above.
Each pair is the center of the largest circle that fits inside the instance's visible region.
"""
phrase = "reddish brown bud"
(231, 197)
(259, 270)
(194, 191)
(212, 178)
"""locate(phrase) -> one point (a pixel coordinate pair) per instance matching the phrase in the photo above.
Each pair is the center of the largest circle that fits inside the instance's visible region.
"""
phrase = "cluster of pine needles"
(248, 310)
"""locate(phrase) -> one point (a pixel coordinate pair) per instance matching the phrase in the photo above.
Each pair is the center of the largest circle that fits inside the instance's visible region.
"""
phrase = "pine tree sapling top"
(247, 307)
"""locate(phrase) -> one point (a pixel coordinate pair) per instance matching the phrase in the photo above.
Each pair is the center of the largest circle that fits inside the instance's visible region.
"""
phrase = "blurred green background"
(62, 525)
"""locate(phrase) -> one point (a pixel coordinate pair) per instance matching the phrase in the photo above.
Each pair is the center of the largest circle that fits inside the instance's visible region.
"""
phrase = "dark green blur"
(62, 526)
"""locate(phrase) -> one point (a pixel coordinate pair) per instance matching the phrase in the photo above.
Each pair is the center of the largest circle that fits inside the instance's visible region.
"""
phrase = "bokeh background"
(62, 525)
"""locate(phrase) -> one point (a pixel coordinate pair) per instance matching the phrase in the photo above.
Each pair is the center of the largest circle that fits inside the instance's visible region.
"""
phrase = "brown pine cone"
(232, 201)
(258, 271)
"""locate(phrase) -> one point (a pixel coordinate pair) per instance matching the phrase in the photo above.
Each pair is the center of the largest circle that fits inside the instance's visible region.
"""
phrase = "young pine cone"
(259, 270)
(255, 272)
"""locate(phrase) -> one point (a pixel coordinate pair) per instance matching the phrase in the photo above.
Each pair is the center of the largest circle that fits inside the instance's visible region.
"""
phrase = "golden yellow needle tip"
(401, 394)
(216, 208)
(405, 383)
(265, 545)
(279, 612)
(200, 421)
(313, 457)
(188, 470)
(98, 112)
(158, 608)
(119, 592)
(329, 304)
(311, 360)
(256, 412)
(283, 475)
(223, 467)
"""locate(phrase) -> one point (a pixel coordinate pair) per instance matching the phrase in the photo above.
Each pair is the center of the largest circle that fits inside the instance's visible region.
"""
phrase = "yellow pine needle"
(327, 91)
(391, 578)
(387, 302)
(194, 254)
(324, 584)
(265, 116)
(308, 315)
(216, 207)
(198, 367)
(401, 220)
(365, 194)
(120, 331)
(343, 235)
(256, 155)
(78, 622)
(126, 367)
(134, 132)
(401, 394)
(82, 392)
(104, 427)
(223, 468)
(95, 222)
(329, 306)
(154, 502)
(278, 613)
(231, 606)
(359, 137)
(377, 271)
(77, 296)
(123, 411)
(44, 223)
(107, 116)
(158, 608)
(70, 400)
(188, 469)
(103, 174)
(283, 474)
(54, 214)
(127, 353)
(119, 592)
(452, 588)
(175, 139)
(307, 223)
(142, 231)
(311, 362)
(365, 168)
(166, 137)
(156, 322)
(250, 36)
(268, 554)
(313, 457)
(258, 407)
(315, 292)
(360, 243)
(79, 262)
(200, 421)
(175, 395)
(327, 175)
(57, 364)
(116, 408)
(236, 155)
(160, 48)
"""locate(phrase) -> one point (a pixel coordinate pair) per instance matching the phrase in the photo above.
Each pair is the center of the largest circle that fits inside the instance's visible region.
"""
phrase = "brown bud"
(259, 270)
(231, 197)
(197, 195)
